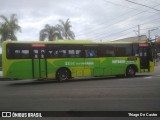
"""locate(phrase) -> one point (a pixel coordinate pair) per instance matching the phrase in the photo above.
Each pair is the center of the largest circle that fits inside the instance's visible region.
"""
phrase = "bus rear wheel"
(63, 74)
(130, 72)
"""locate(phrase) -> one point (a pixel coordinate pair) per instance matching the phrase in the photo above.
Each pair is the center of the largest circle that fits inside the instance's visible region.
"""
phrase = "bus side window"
(35, 53)
(82, 54)
(71, 53)
(17, 54)
(77, 53)
(136, 53)
(91, 53)
(62, 53)
(109, 53)
(42, 54)
(25, 54)
(49, 54)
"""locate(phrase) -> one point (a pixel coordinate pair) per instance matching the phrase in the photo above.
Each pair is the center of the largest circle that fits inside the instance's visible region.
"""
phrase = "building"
(158, 42)
(142, 38)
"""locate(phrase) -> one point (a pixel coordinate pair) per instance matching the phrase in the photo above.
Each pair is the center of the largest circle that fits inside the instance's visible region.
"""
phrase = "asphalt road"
(141, 93)
(101, 94)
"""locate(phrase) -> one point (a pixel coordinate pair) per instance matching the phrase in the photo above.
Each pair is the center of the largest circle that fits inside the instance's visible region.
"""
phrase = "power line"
(112, 24)
(154, 1)
(150, 28)
(114, 18)
(100, 34)
(120, 5)
(125, 14)
(128, 29)
(112, 34)
(142, 5)
(103, 28)
(141, 30)
(124, 35)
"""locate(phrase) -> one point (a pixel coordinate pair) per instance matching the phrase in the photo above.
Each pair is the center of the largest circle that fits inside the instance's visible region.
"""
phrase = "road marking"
(148, 77)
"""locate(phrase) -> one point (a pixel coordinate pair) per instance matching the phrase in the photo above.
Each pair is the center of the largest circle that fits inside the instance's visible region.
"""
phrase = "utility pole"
(154, 45)
(156, 49)
(138, 33)
(149, 32)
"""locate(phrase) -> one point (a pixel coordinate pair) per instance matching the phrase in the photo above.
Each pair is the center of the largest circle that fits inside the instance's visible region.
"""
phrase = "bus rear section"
(146, 58)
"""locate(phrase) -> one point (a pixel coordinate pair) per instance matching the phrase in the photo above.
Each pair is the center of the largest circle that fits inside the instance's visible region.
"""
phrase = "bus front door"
(39, 63)
(144, 59)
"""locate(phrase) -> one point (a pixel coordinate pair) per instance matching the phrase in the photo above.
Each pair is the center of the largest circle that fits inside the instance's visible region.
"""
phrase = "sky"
(96, 20)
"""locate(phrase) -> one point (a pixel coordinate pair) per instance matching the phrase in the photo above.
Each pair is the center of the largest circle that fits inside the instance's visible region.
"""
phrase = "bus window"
(135, 50)
(17, 54)
(18, 51)
(71, 53)
(35, 52)
(74, 53)
(56, 51)
(91, 53)
(42, 53)
(25, 54)
(124, 50)
(109, 51)
(62, 53)
(78, 53)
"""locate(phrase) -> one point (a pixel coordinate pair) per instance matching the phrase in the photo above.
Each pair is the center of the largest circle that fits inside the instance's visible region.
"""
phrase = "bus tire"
(130, 71)
(63, 74)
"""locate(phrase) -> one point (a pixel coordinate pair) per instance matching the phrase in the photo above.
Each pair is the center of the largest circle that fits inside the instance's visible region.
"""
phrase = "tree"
(9, 27)
(50, 32)
(65, 28)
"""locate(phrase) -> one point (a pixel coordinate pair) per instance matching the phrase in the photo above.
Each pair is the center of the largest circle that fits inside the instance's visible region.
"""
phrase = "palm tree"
(50, 32)
(65, 28)
(8, 28)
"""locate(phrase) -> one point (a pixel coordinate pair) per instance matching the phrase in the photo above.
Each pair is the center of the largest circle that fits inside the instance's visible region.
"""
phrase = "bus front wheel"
(63, 74)
(130, 72)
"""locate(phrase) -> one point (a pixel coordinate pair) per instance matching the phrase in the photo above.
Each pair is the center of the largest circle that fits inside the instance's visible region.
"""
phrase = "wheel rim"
(63, 75)
(131, 72)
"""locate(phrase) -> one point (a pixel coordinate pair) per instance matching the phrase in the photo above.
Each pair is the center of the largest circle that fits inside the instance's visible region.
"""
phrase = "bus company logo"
(21, 114)
(118, 61)
(6, 114)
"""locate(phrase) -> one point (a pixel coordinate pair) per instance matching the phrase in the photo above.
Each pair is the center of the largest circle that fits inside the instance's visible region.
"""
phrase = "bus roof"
(70, 42)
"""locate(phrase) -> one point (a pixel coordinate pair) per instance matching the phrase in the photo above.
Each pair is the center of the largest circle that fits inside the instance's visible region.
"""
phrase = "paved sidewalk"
(157, 68)
(0, 73)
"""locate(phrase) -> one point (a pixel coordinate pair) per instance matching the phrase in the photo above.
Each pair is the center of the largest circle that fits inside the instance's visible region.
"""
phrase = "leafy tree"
(65, 28)
(50, 32)
(9, 27)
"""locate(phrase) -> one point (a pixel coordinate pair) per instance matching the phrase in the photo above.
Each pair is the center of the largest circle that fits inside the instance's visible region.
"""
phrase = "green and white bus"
(63, 60)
